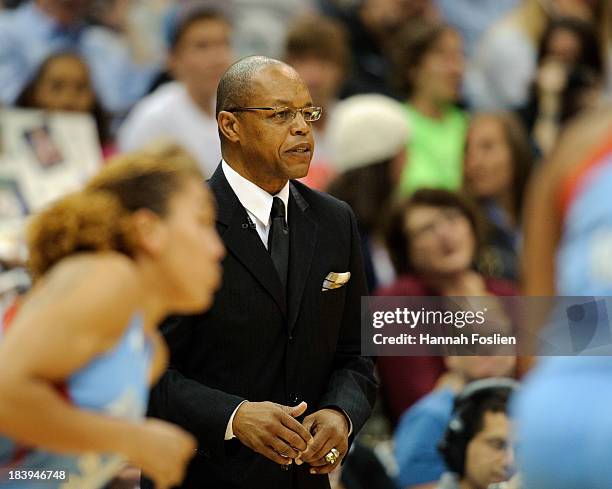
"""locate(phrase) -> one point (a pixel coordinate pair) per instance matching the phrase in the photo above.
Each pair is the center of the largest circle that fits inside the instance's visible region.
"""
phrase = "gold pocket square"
(335, 280)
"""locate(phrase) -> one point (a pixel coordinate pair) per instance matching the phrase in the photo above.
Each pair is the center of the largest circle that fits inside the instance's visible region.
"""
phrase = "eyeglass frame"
(291, 109)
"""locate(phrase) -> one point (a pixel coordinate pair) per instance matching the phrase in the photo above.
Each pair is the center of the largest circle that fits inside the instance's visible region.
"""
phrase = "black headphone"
(460, 429)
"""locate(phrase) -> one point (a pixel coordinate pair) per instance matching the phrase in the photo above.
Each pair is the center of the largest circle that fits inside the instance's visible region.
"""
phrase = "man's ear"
(229, 126)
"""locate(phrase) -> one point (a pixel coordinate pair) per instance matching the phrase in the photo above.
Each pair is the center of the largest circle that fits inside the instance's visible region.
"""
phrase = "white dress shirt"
(256, 201)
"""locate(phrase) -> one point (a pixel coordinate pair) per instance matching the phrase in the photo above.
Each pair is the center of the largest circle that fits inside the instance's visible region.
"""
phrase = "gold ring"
(332, 456)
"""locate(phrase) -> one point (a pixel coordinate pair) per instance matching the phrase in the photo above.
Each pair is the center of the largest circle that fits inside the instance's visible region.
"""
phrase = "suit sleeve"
(186, 402)
(352, 386)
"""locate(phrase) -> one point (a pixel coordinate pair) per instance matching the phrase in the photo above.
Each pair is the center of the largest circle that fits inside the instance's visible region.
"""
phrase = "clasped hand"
(273, 431)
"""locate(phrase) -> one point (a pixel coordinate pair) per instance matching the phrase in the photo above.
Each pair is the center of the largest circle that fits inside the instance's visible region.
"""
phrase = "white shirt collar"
(253, 198)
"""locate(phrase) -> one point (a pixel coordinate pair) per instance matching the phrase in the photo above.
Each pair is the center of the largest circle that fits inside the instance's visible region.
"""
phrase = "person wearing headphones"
(477, 444)
(424, 424)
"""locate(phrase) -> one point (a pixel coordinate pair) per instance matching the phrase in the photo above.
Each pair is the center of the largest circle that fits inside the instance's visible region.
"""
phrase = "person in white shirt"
(184, 110)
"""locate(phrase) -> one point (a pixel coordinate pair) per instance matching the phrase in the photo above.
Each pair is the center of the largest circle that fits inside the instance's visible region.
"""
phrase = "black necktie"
(278, 240)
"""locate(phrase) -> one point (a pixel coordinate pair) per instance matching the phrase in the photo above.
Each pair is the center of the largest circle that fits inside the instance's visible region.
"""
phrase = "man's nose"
(299, 124)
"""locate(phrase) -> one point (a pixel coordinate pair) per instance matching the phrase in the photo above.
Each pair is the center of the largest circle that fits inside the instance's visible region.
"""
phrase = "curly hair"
(99, 218)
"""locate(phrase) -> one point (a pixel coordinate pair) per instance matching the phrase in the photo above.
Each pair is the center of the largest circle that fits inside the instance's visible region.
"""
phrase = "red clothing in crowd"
(404, 380)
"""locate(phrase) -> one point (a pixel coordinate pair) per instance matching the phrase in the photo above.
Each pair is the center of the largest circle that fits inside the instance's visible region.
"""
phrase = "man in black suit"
(283, 337)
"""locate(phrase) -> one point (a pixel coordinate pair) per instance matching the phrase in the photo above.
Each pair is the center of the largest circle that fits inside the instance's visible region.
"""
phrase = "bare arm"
(78, 312)
(542, 231)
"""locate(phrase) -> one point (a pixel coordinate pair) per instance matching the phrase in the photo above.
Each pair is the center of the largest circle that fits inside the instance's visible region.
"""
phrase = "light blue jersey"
(584, 257)
(115, 383)
(563, 411)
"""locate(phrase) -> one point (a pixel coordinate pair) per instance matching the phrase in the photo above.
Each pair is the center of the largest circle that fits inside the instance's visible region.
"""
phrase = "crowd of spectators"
(435, 115)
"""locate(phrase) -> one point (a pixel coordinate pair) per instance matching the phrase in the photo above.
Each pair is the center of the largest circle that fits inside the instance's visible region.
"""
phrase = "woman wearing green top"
(430, 65)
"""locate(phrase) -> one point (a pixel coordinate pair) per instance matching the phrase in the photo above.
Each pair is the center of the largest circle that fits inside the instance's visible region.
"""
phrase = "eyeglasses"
(286, 114)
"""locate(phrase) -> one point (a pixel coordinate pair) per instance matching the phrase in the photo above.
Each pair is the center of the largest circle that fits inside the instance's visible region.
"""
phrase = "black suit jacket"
(260, 344)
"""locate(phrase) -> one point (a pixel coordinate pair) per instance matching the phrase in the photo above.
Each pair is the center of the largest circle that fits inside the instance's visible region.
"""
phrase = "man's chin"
(298, 171)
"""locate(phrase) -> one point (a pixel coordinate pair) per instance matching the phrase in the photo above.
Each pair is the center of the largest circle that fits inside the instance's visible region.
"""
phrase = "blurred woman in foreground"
(109, 263)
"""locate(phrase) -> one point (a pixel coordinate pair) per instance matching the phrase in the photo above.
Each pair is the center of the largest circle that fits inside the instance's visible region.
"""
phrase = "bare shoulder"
(78, 310)
(103, 276)
(95, 288)
(112, 261)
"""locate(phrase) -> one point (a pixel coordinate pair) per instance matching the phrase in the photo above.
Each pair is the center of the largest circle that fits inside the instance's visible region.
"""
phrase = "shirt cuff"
(349, 421)
(229, 432)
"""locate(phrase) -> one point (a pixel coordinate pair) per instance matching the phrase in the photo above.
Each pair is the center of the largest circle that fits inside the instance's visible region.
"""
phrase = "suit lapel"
(242, 241)
(303, 239)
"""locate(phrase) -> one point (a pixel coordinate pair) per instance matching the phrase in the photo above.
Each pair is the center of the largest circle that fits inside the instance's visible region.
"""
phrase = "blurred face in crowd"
(65, 11)
(489, 456)
(580, 9)
(442, 240)
(481, 367)
(64, 84)
(274, 147)
(564, 46)
(488, 166)
(323, 77)
(201, 56)
(384, 16)
(440, 72)
(417, 8)
(191, 266)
